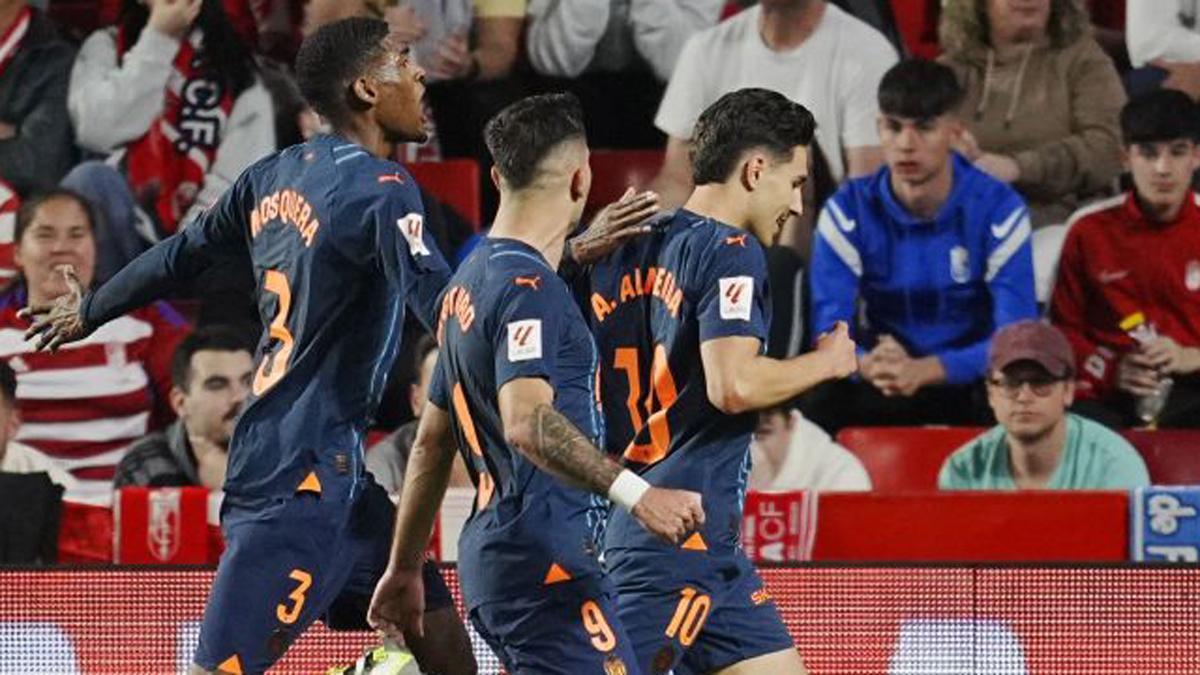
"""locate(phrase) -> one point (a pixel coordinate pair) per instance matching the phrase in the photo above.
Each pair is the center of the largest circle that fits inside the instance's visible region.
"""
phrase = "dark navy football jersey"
(337, 243)
(506, 315)
(653, 303)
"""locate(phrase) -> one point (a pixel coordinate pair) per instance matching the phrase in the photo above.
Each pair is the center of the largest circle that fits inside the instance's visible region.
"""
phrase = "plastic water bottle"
(1151, 406)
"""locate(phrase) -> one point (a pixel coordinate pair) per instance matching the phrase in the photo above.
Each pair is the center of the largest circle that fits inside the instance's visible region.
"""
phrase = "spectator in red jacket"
(83, 404)
(1139, 253)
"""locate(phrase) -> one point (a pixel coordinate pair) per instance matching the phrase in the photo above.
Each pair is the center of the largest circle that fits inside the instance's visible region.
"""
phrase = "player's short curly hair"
(743, 120)
(331, 58)
(520, 136)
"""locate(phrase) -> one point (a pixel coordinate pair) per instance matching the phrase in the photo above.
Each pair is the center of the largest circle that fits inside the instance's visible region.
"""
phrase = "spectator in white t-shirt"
(808, 50)
(791, 453)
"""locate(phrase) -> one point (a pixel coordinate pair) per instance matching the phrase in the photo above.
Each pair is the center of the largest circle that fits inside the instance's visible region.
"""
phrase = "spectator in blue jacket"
(926, 259)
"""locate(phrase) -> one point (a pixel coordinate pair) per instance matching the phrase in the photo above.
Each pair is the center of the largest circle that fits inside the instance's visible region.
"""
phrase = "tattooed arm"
(550, 441)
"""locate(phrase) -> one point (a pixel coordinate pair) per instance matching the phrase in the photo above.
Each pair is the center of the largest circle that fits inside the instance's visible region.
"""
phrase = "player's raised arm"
(220, 231)
(549, 440)
(399, 600)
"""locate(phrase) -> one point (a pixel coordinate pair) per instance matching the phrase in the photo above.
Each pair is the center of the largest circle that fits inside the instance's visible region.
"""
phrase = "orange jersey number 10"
(659, 399)
(275, 364)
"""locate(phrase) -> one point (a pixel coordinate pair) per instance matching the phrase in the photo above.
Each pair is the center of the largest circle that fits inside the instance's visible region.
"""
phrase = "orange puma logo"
(739, 239)
(533, 282)
(391, 178)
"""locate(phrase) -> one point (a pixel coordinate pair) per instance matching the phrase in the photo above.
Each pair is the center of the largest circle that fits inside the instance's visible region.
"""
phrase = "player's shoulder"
(515, 269)
(358, 175)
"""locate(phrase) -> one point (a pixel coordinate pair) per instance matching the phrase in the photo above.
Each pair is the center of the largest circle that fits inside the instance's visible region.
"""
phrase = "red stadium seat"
(1172, 455)
(615, 170)
(455, 182)
(902, 459)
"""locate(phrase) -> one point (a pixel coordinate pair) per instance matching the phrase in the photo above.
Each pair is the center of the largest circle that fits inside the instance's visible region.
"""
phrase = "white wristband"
(627, 489)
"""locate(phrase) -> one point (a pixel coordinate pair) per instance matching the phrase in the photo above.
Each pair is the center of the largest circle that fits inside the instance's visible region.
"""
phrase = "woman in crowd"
(1042, 99)
(83, 404)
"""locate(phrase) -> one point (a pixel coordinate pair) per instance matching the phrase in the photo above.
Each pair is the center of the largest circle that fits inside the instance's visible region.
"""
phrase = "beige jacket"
(1052, 106)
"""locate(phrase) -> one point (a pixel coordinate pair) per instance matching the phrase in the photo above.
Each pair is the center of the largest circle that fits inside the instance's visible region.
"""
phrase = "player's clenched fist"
(670, 514)
(839, 351)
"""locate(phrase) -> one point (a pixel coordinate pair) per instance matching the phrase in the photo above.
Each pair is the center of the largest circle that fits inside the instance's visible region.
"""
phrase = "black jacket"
(33, 98)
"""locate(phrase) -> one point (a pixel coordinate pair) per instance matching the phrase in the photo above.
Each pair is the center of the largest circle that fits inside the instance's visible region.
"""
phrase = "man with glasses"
(1038, 445)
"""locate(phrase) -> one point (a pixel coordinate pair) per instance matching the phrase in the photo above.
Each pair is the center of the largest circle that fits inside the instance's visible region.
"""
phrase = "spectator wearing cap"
(1039, 445)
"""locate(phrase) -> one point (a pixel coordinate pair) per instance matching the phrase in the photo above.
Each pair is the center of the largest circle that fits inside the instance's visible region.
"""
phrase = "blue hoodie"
(940, 287)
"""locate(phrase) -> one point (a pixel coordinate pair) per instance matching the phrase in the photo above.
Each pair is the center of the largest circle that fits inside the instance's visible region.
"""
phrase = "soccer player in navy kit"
(681, 319)
(515, 386)
(335, 236)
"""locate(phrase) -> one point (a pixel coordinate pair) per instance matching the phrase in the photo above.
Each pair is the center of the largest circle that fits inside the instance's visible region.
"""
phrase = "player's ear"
(579, 183)
(752, 170)
(495, 174)
(362, 94)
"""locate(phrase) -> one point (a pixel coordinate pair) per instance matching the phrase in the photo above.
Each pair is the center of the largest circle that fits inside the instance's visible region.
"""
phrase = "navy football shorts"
(291, 561)
(691, 612)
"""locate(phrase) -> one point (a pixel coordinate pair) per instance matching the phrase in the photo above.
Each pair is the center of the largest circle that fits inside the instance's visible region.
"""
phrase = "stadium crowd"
(1002, 209)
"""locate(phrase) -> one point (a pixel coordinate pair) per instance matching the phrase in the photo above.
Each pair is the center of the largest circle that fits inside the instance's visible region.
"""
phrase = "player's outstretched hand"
(670, 514)
(58, 321)
(615, 224)
(398, 605)
(839, 351)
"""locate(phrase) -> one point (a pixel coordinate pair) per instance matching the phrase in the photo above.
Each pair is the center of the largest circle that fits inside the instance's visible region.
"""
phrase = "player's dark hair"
(330, 59)
(1162, 115)
(209, 338)
(744, 120)
(919, 89)
(8, 383)
(30, 207)
(520, 136)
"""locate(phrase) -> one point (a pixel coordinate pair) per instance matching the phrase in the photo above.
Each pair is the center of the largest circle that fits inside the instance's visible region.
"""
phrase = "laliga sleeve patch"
(737, 296)
(412, 227)
(525, 340)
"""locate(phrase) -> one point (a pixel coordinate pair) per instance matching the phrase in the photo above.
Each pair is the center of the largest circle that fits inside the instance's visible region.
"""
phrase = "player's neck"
(720, 201)
(541, 223)
(369, 136)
